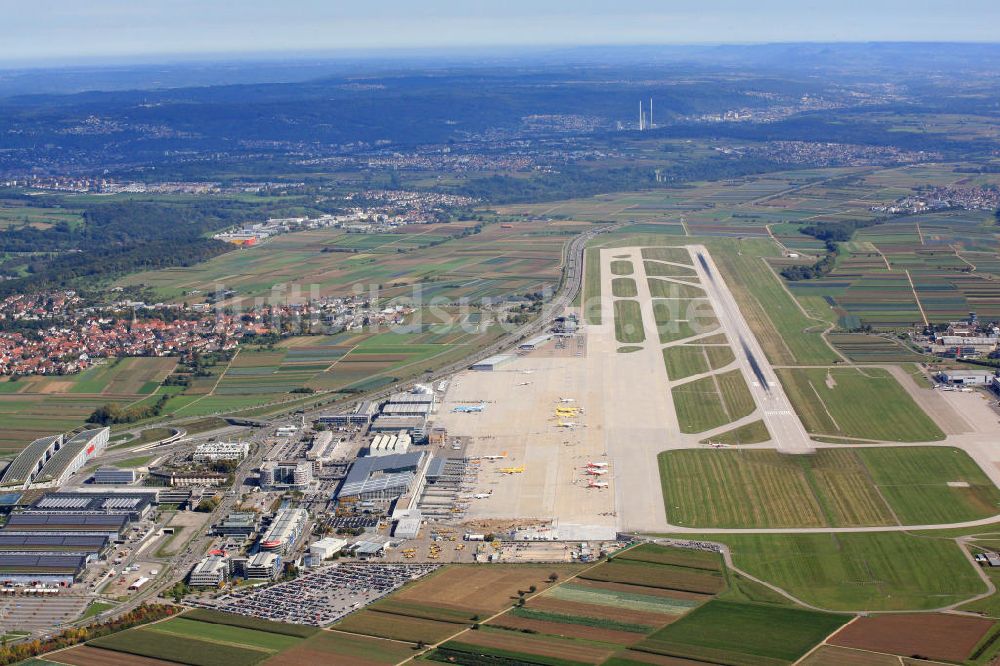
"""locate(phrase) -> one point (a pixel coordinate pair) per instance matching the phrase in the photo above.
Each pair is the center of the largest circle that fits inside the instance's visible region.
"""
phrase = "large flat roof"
(67, 453)
(381, 473)
(41, 563)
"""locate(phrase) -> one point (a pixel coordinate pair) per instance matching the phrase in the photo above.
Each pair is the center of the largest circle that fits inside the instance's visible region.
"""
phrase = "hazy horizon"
(59, 32)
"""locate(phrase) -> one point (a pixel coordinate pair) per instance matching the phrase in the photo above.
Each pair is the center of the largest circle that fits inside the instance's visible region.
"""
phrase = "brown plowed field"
(658, 659)
(84, 655)
(934, 636)
(479, 588)
(546, 646)
(830, 655)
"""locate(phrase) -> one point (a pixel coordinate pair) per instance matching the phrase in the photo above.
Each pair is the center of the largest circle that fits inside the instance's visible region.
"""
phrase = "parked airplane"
(511, 470)
(525, 384)
(567, 400)
(596, 471)
(566, 424)
(494, 457)
(596, 464)
(597, 484)
(468, 409)
(482, 495)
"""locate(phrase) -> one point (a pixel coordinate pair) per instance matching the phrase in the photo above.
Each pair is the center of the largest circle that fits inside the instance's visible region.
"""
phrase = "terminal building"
(415, 425)
(388, 444)
(382, 478)
(50, 461)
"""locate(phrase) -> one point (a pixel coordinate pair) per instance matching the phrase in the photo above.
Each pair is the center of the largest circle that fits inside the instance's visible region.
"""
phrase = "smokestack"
(651, 112)
(640, 115)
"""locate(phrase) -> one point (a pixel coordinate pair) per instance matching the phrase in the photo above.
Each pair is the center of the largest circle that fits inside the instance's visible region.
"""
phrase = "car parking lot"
(322, 596)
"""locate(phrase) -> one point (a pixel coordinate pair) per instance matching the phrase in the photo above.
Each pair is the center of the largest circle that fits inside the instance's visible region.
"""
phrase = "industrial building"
(218, 451)
(135, 505)
(382, 477)
(534, 343)
(90, 547)
(417, 396)
(114, 475)
(50, 461)
(294, 474)
(45, 568)
(360, 416)
(263, 566)
(982, 377)
(66, 523)
(388, 444)
(326, 548)
(491, 363)
(415, 425)
(408, 526)
(284, 530)
(211, 571)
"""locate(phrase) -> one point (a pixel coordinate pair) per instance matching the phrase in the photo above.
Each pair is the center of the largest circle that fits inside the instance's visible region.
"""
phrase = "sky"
(67, 31)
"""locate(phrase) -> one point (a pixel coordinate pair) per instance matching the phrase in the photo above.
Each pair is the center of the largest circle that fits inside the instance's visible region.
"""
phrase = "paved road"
(783, 423)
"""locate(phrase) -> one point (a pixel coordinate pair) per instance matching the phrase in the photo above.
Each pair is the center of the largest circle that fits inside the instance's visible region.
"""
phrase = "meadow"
(712, 401)
(861, 403)
(834, 487)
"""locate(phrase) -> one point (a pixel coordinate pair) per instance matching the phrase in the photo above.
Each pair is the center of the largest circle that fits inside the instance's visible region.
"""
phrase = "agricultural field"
(952, 638)
(877, 571)
(833, 487)
(205, 638)
(735, 633)
(713, 401)
(327, 647)
(444, 262)
(861, 403)
(861, 348)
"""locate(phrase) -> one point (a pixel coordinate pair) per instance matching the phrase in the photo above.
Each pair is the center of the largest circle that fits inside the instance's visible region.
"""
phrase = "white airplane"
(500, 457)
(596, 464)
(525, 384)
(566, 424)
(717, 445)
(595, 471)
(482, 495)
(566, 400)
(597, 484)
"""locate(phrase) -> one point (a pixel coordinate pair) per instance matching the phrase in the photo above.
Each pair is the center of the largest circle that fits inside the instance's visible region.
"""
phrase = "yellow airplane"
(511, 470)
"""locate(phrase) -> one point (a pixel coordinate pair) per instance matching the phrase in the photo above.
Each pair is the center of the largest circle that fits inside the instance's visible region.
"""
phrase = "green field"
(860, 571)
(628, 322)
(624, 288)
(751, 433)
(735, 633)
(833, 487)
(592, 286)
(712, 401)
(619, 267)
(862, 403)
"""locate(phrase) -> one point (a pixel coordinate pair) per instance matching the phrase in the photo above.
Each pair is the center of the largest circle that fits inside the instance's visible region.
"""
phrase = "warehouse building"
(284, 530)
(326, 548)
(534, 343)
(211, 571)
(219, 451)
(67, 523)
(135, 505)
(415, 425)
(388, 444)
(491, 363)
(382, 477)
(360, 416)
(320, 443)
(114, 475)
(91, 547)
(44, 568)
(981, 377)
